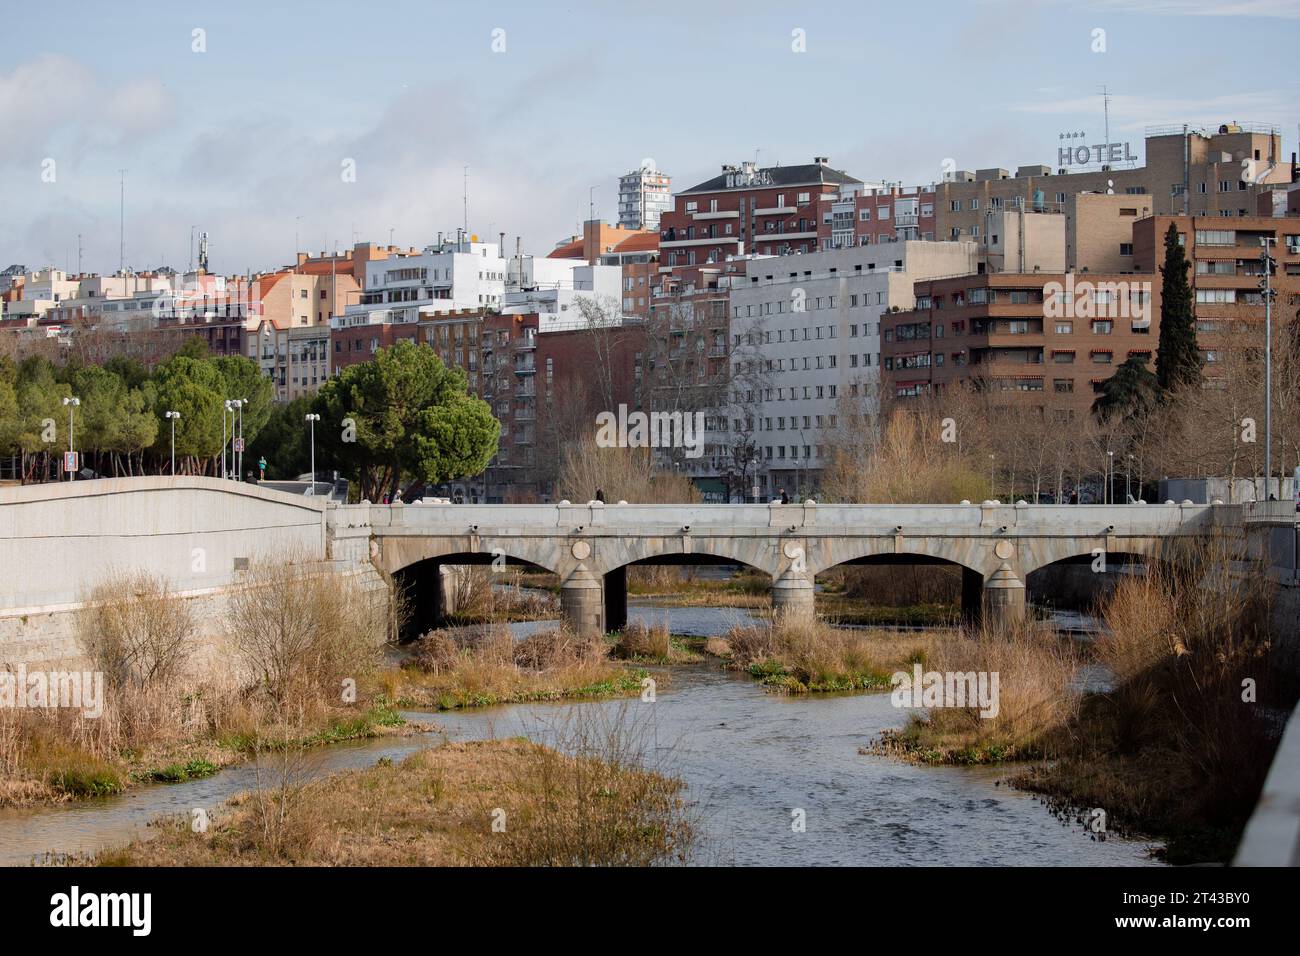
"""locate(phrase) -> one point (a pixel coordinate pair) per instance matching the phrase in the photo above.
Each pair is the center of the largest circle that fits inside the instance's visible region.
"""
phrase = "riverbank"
(302, 646)
(483, 803)
(1164, 726)
(448, 670)
(749, 757)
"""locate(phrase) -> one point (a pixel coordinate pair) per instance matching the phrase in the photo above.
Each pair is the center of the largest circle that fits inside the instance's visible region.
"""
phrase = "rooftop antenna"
(465, 200)
(121, 221)
(78, 253)
(591, 203)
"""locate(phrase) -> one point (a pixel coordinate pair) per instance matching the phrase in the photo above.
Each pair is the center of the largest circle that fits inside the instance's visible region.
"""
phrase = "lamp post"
(992, 490)
(1267, 261)
(312, 419)
(71, 403)
(1109, 496)
(224, 410)
(174, 416)
(239, 404)
(1128, 472)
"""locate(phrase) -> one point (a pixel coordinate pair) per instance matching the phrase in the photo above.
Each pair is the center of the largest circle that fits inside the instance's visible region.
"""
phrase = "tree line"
(402, 420)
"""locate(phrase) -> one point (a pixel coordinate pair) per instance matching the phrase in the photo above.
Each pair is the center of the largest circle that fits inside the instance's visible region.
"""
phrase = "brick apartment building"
(1021, 335)
(1226, 272)
(772, 210)
(1007, 329)
(861, 214)
(540, 381)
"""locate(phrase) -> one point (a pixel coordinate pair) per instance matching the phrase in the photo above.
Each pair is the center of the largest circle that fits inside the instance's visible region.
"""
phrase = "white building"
(643, 196)
(813, 323)
(556, 301)
(460, 274)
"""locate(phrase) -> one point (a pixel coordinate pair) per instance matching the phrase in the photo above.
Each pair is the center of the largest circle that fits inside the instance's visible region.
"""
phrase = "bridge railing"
(595, 517)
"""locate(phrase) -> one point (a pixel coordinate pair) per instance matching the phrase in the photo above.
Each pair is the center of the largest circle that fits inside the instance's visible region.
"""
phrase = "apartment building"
(747, 210)
(401, 291)
(1047, 339)
(644, 195)
(861, 214)
(543, 380)
(805, 343)
(455, 336)
(1197, 172)
(1226, 273)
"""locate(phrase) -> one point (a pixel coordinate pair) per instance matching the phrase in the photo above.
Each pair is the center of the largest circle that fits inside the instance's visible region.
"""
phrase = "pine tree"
(1178, 362)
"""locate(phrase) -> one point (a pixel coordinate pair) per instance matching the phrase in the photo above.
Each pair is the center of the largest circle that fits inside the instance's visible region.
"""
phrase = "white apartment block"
(644, 195)
(460, 274)
(556, 302)
(812, 323)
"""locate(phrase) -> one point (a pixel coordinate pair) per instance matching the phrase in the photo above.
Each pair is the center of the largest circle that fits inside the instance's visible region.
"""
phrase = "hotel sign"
(1103, 153)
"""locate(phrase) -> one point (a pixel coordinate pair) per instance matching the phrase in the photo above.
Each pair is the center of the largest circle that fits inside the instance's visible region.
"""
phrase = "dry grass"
(303, 636)
(480, 598)
(801, 656)
(450, 669)
(1035, 671)
(1175, 747)
(591, 802)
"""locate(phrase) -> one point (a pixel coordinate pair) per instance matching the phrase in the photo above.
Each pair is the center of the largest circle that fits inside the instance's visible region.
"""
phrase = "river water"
(751, 761)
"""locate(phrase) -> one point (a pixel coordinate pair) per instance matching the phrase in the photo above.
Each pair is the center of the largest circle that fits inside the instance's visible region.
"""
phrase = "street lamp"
(1128, 471)
(175, 416)
(71, 403)
(312, 419)
(992, 490)
(226, 408)
(239, 404)
(1268, 262)
(1109, 496)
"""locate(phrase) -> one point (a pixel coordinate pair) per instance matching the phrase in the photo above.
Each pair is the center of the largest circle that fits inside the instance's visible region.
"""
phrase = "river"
(750, 760)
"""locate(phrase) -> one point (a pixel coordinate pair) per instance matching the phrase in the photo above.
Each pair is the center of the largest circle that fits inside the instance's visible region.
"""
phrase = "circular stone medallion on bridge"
(1004, 550)
(793, 549)
(581, 550)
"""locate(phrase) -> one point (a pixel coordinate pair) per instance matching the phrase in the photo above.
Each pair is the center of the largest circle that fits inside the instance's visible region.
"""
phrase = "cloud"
(54, 106)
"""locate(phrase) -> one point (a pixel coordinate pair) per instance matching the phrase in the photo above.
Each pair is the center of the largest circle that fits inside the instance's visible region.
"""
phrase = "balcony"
(527, 343)
(526, 369)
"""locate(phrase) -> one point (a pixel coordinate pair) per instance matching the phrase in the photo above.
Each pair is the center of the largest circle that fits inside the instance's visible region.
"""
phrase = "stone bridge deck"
(589, 546)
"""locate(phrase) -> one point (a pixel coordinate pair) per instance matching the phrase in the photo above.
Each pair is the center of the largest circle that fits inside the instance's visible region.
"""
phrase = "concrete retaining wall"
(58, 542)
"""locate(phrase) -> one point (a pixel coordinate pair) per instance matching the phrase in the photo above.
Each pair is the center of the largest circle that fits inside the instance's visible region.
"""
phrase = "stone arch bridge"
(590, 546)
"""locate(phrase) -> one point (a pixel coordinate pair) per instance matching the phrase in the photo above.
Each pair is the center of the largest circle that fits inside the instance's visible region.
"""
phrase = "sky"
(275, 126)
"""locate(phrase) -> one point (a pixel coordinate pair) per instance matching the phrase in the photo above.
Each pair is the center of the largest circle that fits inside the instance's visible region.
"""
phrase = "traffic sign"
(71, 462)
(239, 444)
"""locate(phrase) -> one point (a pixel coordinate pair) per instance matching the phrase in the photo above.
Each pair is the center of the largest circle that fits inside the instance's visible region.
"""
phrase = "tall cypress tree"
(1178, 362)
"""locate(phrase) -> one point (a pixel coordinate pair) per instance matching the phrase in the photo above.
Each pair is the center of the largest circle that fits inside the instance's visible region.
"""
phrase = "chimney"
(821, 160)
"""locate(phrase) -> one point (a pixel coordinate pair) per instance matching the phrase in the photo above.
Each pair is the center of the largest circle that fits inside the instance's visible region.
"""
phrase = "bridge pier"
(582, 603)
(792, 597)
(616, 599)
(1004, 598)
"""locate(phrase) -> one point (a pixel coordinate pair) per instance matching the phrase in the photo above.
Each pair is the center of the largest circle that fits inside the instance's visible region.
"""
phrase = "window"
(1102, 357)
(1063, 385)
(1064, 328)
(864, 215)
(1103, 327)
(1126, 248)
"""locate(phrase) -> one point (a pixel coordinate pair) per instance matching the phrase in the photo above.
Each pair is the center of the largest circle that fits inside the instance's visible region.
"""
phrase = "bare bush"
(302, 631)
(135, 631)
